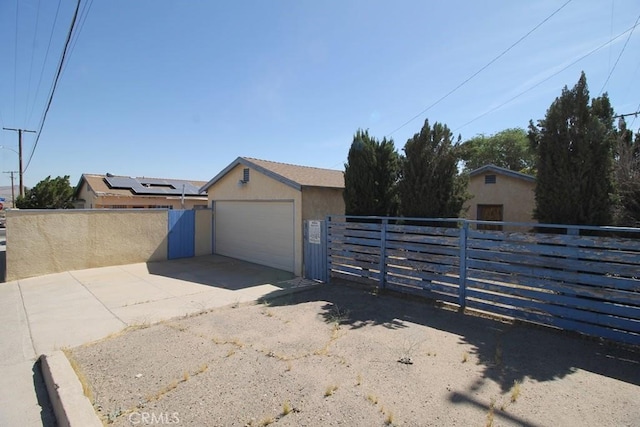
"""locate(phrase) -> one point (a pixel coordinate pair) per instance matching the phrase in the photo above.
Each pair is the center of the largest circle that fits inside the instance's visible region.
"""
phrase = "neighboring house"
(499, 194)
(123, 192)
(259, 208)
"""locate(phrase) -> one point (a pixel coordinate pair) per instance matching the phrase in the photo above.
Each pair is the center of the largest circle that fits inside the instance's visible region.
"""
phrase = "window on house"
(245, 175)
(489, 179)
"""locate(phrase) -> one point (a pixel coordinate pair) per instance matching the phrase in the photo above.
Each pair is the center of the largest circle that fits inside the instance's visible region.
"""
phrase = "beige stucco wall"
(49, 241)
(318, 202)
(261, 187)
(204, 228)
(515, 194)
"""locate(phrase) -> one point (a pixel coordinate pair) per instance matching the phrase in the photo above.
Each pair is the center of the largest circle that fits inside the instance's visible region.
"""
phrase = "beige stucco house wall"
(514, 191)
(204, 232)
(261, 187)
(315, 193)
(318, 202)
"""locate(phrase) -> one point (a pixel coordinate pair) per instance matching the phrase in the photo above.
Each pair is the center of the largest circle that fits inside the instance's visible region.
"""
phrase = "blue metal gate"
(315, 250)
(182, 234)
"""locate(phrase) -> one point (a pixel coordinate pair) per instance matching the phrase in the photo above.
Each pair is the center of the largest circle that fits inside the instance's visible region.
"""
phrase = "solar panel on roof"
(150, 186)
(123, 182)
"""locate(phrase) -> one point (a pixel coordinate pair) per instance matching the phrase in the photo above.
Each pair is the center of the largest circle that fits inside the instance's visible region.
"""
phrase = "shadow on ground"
(219, 271)
(508, 352)
(46, 412)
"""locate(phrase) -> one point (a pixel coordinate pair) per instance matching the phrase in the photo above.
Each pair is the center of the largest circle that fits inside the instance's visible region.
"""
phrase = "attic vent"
(489, 179)
(245, 175)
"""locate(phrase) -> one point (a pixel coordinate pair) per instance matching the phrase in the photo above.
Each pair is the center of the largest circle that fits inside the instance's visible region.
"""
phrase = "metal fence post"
(462, 287)
(325, 245)
(325, 236)
(383, 253)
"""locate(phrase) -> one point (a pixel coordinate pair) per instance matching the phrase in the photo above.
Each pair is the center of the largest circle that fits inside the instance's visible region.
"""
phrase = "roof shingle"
(293, 175)
(304, 175)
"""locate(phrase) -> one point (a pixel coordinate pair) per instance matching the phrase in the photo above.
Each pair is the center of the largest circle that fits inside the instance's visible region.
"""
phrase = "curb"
(70, 405)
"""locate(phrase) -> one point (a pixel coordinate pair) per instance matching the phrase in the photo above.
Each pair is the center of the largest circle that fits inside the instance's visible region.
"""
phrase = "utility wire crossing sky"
(164, 88)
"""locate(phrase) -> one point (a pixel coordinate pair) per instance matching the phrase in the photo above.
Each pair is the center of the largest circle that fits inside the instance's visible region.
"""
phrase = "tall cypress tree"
(574, 145)
(386, 176)
(370, 176)
(359, 176)
(429, 185)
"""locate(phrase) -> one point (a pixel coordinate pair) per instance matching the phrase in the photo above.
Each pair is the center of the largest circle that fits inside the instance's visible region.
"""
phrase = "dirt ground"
(340, 355)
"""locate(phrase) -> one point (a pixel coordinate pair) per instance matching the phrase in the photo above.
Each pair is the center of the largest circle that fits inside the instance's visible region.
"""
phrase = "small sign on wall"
(314, 232)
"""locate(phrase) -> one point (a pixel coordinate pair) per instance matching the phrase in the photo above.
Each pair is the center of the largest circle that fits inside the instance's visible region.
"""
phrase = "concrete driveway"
(41, 314)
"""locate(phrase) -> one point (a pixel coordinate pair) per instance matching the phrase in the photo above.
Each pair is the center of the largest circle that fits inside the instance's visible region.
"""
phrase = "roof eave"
(258, 168)
(503, 171)
(76, 191)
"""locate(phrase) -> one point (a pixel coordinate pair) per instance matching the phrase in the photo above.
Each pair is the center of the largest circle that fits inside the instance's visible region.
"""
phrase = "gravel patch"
(344, 356)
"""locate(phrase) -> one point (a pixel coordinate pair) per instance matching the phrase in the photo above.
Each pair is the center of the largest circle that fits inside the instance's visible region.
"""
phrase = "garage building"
(260, 206)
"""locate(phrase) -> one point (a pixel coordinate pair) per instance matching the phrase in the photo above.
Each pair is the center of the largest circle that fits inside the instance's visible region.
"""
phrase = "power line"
(619, 56)
(83, 18)
(15, 63)
(480, 70)
(548, 78)
(33, 51)
(46, 56)
(634, 117)
(611, 30)
(55, 83)
(622, 116)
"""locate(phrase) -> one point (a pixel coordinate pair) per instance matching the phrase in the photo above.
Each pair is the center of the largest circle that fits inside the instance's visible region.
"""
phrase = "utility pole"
(20, 154)
(13, 189)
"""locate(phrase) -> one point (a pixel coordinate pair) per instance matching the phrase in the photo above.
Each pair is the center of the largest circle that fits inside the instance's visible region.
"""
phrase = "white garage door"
(256, 231)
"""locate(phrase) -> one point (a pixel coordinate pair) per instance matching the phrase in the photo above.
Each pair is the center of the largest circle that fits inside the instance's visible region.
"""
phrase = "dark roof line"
(502, 171)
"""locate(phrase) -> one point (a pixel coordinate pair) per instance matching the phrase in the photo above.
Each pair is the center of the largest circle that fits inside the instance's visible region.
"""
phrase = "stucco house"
(123, 192)
(259, 208)
(500, 194)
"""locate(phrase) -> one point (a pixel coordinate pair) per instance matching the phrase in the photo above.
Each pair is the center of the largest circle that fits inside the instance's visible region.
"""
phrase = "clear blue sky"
(179, 89)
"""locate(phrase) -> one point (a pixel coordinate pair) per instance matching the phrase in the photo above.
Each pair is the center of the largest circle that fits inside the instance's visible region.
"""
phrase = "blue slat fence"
(586, 279)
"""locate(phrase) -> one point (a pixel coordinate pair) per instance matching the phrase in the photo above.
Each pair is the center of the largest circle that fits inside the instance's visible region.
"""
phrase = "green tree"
(508, 149)
(370, 176)
(574, 145)
(49, 193)
(627, 178)
(387, 171)
(430, 185)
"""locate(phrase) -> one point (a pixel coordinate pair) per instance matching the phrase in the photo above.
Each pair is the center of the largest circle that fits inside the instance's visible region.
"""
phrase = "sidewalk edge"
(70, 406)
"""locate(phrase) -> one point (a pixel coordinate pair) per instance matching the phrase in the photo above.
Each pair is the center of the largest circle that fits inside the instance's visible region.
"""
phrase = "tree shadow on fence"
(508, 352)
